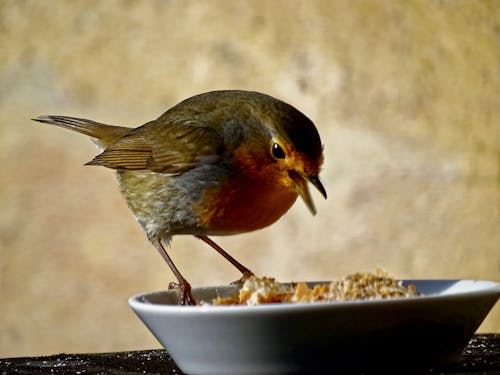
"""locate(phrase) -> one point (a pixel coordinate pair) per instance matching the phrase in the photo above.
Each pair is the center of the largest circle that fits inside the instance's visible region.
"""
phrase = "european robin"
(219, 163)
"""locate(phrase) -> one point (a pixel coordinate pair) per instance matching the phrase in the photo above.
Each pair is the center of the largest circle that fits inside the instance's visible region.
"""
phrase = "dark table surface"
(481, 356)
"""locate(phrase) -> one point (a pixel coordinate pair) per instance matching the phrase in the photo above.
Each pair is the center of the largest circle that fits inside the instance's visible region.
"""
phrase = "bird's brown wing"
(172, 148)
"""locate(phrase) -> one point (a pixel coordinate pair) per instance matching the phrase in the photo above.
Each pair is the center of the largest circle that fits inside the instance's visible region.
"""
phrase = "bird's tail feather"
(104, 135)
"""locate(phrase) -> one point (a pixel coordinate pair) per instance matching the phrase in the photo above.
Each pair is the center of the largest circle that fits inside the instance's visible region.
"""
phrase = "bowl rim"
(484, 288)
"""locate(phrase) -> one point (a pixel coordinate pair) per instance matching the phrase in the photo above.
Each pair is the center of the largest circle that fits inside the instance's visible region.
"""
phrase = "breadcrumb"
(358, 286)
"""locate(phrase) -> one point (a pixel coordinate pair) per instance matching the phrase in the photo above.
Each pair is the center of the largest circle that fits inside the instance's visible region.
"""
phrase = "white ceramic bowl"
(407, 333)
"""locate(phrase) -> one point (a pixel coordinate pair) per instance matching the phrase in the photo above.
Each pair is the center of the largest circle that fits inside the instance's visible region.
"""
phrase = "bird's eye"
(277, 151)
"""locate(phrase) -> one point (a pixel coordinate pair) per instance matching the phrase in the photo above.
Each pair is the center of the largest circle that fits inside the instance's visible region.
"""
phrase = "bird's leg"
(245, 271)
(185, 288)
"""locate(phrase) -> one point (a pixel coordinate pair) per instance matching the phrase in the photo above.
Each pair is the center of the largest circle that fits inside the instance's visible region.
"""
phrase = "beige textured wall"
(405, 95)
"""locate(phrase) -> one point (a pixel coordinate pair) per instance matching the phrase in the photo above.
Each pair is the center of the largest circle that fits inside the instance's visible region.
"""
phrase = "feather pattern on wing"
(161, 147)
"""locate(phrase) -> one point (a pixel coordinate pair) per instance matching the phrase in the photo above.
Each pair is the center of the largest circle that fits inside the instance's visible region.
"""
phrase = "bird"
(218, 163)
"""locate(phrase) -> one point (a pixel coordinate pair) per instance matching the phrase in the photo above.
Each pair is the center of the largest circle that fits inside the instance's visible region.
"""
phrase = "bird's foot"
(187, 298)
(246, 275)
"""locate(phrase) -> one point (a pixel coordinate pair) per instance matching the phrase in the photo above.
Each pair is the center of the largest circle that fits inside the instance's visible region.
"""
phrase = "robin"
(218, 163)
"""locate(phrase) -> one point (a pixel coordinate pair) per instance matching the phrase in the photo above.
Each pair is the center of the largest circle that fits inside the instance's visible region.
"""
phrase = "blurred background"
(405, 96)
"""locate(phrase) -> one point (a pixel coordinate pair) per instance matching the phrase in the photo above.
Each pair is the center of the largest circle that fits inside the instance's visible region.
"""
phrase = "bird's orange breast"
(243, 205)
(255, 196)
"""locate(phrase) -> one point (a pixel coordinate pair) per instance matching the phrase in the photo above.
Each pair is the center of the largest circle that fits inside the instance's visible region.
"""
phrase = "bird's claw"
(187, 298)
(241, 281)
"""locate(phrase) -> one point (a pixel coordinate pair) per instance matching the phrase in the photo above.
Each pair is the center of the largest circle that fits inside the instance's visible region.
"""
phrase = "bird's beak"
(302, 188)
